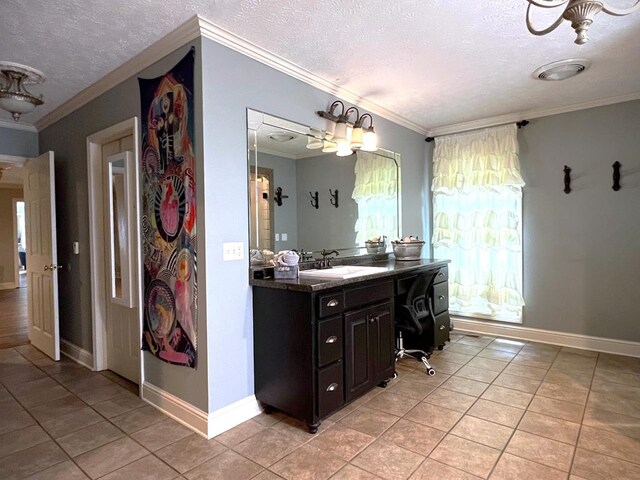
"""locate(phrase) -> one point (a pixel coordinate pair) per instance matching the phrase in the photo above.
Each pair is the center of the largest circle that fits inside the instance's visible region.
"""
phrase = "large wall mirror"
(358, 196)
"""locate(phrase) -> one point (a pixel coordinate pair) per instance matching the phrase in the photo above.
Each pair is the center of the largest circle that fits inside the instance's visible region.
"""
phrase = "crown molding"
(18, 126)
(175, 39)
(224, 37)
(529, 114)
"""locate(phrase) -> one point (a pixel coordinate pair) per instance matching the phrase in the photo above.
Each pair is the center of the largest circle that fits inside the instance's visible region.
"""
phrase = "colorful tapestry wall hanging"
(169, 215)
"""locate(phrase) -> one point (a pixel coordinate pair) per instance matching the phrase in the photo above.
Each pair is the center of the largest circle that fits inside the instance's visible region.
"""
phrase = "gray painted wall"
(68, 139)
(582, 250)
(231, 84)
(19, 143)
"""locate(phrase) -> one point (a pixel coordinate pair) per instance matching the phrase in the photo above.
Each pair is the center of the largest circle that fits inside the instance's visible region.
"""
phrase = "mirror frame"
(128, 296)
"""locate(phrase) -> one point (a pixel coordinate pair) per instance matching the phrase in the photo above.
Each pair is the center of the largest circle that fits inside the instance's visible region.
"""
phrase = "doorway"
(261, 206)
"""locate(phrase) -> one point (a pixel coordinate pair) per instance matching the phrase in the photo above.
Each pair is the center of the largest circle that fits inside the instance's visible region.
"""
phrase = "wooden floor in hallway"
(14, 320)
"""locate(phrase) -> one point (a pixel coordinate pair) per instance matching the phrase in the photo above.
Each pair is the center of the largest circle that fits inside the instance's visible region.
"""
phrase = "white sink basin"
(341, 272)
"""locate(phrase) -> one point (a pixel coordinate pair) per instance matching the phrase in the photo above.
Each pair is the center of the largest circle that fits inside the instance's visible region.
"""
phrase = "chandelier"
(579, 12)
(14, 98)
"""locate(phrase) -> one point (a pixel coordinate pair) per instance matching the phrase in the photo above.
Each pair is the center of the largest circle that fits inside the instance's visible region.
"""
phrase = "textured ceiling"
(436, 62)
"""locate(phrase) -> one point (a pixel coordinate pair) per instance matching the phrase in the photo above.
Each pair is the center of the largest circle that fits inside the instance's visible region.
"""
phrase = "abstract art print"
(169, 215)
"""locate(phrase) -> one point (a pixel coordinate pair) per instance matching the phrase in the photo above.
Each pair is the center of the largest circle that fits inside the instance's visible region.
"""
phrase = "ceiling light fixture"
(562, 69)
(281, 137)
(579, 12)
(14, 98)
(343, 136)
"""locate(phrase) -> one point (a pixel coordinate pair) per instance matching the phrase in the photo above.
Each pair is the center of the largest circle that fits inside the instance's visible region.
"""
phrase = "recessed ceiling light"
(281, 137)
(562, 69)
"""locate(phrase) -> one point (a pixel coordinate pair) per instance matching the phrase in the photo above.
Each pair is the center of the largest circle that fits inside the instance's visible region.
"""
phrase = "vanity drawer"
(330, 389)
(441, 332)
(356, 297)
(330, 341)
(440, 297)
(330, 304)
(442, 275)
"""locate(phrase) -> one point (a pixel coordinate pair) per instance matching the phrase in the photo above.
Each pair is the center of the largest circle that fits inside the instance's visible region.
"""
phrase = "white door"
(42, 258)
(122, 322)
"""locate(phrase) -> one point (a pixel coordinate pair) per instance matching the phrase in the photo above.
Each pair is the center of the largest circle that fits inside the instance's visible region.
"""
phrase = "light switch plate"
(76, 248)
(232, 251)
(277, 237)
(284, 237)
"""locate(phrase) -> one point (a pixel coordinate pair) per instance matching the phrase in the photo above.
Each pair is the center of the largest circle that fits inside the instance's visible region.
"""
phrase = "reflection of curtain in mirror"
(477, 221)
(375, 192)
(120, 233)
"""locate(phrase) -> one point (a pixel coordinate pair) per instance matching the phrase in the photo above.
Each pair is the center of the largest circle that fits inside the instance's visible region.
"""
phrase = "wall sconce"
(342, 136)
(14, 98)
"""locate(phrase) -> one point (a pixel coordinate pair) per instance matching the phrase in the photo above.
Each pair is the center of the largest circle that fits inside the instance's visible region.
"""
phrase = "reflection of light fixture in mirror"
(14, 98)
(281, 137)
(329, 147)
(579, 12)
(314, 140)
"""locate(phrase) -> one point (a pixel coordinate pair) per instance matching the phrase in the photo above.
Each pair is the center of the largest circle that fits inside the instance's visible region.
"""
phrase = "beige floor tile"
(409, 389)
(434, 416)
(267, 475)
(565, 393)
(147, 468)
(37, 392)
(609, 443)
(421, 376)
(118, 405)
(341, 441)
(88, 438)
(22, 439)
(596, 466)
(450, 399)
(372, 394)
(488, 364)
(432, 470)
(465, 455)
(484, 432)
(110, 457)
(414, 436)
(62, 471)
(507, 396)
(350, 472)
(557, 408)
(465, 349)
(614, 422)
(525, 371)
(190, 452)
(506, 345)
(582, 371)
(240, 433)
(308, 462)
(375, 459)
(496, 354)
(227, 466)
(568, 378)
(510, 467)
(579, 351)
(478, 374)
(452, 357)
(25, 375)
(516, 382)
(575, 359)
(389, 402)
(161, 434)
(616, 398)
(268, 419)
(541, 347)
(300, 429)
(496, 413)
(369, 421)
(138, 419)
(443, 366)
(465, 385)
(268, 446)
(31, 460)
(550, 427)
(71, 422)
(14, 420)
(478, 341)
(541, 450)
(525, 360)
(624, 376)
(57, 408)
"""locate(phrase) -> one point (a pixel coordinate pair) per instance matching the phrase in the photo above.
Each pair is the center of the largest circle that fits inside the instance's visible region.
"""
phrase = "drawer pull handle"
(331, 339)
(332, 303)
(441, 297)
(332, 387)
(441, 327)
(441, 274)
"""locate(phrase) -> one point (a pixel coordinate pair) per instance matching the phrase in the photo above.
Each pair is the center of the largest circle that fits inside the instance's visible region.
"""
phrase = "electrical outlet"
(232, 251)
(284, 237)
(277, 237)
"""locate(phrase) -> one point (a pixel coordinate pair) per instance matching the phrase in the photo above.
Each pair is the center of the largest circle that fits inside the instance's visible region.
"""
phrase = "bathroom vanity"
(320, 343)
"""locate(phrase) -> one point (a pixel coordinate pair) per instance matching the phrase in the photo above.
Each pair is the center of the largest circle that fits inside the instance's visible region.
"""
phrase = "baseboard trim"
(232, 415)
(76, 353)
(585, 342)
(7, 285)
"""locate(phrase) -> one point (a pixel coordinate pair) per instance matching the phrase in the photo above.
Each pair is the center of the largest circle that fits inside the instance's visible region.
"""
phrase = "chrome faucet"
(325, 261)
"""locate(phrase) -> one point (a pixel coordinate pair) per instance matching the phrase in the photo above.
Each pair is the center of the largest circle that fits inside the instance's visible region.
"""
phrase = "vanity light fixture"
(345, 137)
(14, 98)
(579, 12)
(314, 139)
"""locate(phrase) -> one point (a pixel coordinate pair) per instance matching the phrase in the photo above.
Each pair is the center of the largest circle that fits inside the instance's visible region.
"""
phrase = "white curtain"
(375, 192)
(477, 221)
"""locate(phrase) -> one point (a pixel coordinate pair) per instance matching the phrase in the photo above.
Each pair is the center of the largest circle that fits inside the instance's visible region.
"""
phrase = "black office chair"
(415, 316)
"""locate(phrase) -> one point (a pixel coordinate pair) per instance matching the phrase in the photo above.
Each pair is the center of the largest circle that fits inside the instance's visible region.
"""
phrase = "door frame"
(97, 245)
(19, 162)
(16, 259)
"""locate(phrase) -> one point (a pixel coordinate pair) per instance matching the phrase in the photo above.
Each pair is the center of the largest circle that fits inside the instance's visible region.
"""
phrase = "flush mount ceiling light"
(281, 137)
(14, 98)
(562, 69)
(579, 12)
(343, 136)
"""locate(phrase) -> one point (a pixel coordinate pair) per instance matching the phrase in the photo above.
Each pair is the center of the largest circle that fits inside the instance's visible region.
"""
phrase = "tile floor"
(497, 408)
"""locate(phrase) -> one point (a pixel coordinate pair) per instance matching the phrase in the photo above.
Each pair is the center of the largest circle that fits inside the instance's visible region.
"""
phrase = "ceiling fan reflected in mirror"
(579, 12)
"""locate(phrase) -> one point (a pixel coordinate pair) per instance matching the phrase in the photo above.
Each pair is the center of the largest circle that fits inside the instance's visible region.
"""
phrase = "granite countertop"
(315, 284)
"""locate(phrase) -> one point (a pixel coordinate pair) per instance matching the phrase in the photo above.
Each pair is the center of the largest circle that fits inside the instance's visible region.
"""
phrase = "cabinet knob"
(332, 387)
(442, 327)
(332, 303)
(441, 297)
(331, 339)
(373, 319)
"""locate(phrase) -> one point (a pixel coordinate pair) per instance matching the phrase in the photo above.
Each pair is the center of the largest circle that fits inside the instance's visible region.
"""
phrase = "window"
(477, 221)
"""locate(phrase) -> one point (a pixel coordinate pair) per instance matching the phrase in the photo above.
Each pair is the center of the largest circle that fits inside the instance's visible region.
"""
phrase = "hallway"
(14, 321)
